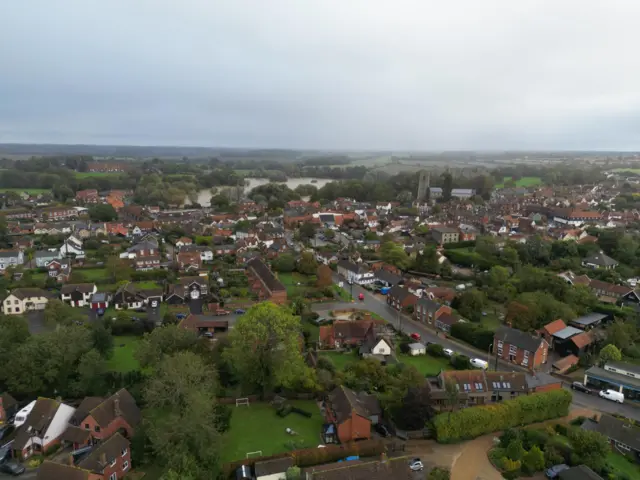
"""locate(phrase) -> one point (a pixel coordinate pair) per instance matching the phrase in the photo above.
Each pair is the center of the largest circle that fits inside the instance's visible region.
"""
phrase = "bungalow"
(22, 300)
(599, 261)
(11, 258)
(401, 298)
(42, 428)
(183, 241)
(78, 294)
(623, 436)
(201, 324)
(376, 347)
(620, 376)
(349, 415)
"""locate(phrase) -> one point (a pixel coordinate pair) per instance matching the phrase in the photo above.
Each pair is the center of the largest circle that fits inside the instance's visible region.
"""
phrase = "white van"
(478, 363)
(22, 415)
(612, 395)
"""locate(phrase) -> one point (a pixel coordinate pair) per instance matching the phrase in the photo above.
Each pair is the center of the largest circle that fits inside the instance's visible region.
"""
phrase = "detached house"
(43, 257)
(188, 288)
(346, 334)
(59, 269)
(131, 297)
(23, 300)
(600, 261)
(515, 346)
(42, 429)
(11, 258)
(349, 415)
(355, 273)
(72, 246)
(78, 294)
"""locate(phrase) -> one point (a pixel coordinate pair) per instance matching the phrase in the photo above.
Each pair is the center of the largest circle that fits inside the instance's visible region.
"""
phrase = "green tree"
(610, 353)
(101, 338)
(284, 263)
(470, 304)
(515, 451)
(165, 340)
(307, 231)
(589, 448)
(14, 332)
(439, 473)
(119, 270)
(92, 368)
(498, 276)
(102, 212)
(533, 460)
(329, 234)
(394, 254)
(307, 264)
(220, 201)
(180, 416)
(265, 350)
(621, 334)
(58, 313)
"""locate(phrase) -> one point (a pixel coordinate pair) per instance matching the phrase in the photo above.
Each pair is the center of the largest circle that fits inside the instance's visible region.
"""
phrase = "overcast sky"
(327, 74)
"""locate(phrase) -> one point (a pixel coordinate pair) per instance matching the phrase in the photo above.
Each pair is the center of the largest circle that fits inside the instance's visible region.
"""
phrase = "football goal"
(242, 401)
(257, 453)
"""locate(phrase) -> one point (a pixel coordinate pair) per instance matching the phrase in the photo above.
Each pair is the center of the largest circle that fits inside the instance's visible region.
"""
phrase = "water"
(205, 195)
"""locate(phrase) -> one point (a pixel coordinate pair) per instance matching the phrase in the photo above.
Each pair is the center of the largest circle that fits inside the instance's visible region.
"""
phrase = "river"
(205, 195)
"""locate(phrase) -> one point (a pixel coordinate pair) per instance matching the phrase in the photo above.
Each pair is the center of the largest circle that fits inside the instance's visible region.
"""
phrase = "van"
(22, 415)
(478, 363)
(612, 395)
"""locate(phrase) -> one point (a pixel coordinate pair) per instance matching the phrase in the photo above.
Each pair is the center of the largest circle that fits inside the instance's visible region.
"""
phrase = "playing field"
(523, 182)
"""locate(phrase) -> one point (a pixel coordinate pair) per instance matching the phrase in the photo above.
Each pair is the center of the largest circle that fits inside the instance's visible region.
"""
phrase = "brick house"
(445, 321)
(427, 311)
(59, 213)
(349, 415)
(87, 196)
(518, 347)
(263, 282)
(401, 298)
(105, 417)
(346, 334)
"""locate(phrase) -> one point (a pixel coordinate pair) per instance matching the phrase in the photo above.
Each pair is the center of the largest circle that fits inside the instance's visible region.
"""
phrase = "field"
(523, 182)
(123, 359)
(339, 359)
(628, 170)
(30, 191)
(427, 365)
(98, 174)
(623, 465)
(291, 280)
(257, 427)
(94, 274)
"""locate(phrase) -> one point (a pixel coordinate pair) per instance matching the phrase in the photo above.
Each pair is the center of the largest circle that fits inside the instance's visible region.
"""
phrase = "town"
(170, 319)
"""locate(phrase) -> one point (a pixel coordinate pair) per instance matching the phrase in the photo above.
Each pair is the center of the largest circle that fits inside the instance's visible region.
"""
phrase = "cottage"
(349, 415)
(22, 300)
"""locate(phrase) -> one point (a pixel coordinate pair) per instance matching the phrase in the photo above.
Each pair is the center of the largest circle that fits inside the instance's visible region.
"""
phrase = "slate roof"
(601, 259)
(271, 467)
(266, 275)
(426, 304)
(38, 419)
(112, 448)
(344, 401)
(87, 404)
(581, 472)
(388, 277)
(589, 319)
(617, 430)
(55, 471)
(23, 293)
(503, 381)
(76, 435)
(518, 338)
(567, 332)
(77, 287)
(400, 293)
(105, 412)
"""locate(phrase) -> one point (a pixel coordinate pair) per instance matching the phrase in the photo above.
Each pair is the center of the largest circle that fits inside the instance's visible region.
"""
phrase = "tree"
(470, 304)
(610, 353)
(119, 270)
(58, 313)
(515, 451)
(307, 264)
(220, 201)
(165, 340)
(102, 212)
(415, 410)
(265, 350)
(101, 338)
(325, 276)
(533, 460)
(621, 334)
(498, 276)
(180, 417)
(91, 374)
(284, 263)
(394, 254)
(329, 234)
(14, 332)
(439, 473)
(307, 231)
(452, 394)
(589, 447)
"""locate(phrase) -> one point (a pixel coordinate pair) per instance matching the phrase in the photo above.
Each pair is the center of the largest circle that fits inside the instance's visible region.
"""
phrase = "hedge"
(473, 334)
(472, 422)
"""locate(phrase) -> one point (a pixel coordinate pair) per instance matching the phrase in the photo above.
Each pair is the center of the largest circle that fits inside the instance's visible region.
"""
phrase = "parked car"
(12, 468)
(181, 316)
(448, 352)
(554, 472)
(416, 465)
(239, 311)
(382, 430)
(612, 395)
(415, 336)
(479, 363)
(581, 387)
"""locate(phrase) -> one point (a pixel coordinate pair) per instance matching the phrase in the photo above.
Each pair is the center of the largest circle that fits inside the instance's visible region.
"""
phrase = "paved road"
(594, 402)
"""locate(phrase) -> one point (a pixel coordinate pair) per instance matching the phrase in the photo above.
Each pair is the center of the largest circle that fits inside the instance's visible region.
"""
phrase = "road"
(409, 326)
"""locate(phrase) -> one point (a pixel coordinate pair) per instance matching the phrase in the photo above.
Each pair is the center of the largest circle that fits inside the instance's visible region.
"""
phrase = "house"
(445, 321)
(542, 382)
(87, 196)
(550, 329)
(78, 294)
(72, 246)
(59, 269)
(8, 407)
(427, 310)
(23, 300)
(11, 258)
(518, 347)
(42, 429)
(349, 415)
(505, 385)
(206, 253)
(346, 334)
(143, 248)
(188, 288)
(326, 258)
(204, 324)
(183, 241)
(388, 279)
(43, 257)
(376, 347)
(355, 273)
(146, 262)
(100, 301)
(189, 261)
(275, 469)
(462, 193)
(444, 235)
(263, 282)
(624, 437)
(129, 296)
(612, 293)
(600, 261)
(58, 213)
(581, 472)
(417, 349)
(620, 376)
(105, 417)
(400, 298)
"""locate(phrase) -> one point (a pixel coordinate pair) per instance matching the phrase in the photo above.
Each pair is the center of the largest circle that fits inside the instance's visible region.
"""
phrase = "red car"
(361, 296)
(415, 336)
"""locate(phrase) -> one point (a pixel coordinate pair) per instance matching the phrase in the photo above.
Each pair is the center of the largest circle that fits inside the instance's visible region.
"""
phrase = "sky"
(322, 74)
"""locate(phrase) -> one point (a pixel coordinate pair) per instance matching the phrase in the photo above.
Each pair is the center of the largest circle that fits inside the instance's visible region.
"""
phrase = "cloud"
(327, 74)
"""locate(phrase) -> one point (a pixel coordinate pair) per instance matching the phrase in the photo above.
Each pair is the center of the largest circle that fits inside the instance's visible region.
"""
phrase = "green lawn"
(622, 464)
(123, 359)
(340, 360)
(523, 182)
(629, 170)
(98, 174)
(257, 427)
(93, 274)
(342, 293)
(427, 365)
(30, 191)
(147, 285)
(291, 280)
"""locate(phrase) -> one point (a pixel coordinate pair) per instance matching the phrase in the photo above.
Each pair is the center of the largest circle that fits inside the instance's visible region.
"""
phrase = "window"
(478, 386)
(467, 386)
(124, 451)
(525, 360)
(9, 309)
(113, 476)
(622, 446)
(97, 428)
(113, 463)
(86, 425)
(125, 465)
(512, 349)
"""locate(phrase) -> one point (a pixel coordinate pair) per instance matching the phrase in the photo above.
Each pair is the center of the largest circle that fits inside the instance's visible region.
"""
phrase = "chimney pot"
(103, 458)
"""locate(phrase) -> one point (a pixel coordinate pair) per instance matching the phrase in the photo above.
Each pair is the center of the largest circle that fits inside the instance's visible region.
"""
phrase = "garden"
(123, 359)
(526, 451)
(258, 427)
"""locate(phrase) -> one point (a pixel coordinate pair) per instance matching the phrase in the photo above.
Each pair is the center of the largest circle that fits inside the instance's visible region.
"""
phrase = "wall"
(113, 427)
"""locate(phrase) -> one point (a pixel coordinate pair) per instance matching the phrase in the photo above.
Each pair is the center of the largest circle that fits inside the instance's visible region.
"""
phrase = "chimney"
(103, 459)
(116, 408)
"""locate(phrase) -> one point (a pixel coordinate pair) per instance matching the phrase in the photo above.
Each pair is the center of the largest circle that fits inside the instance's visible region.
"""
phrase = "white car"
(479, 363)
(447, 351)
(416, 465)
(612, 395)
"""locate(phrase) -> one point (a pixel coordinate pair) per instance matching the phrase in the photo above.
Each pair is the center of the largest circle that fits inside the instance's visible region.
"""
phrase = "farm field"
(523, 182)
(98, 174)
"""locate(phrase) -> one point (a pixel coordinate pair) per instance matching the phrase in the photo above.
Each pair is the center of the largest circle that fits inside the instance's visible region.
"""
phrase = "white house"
(417, 349)
(359, 274)
(381, 347)
(78, 294)
(72, 246)
(46, 422)
(11, 258)
(206, 253)
(22, 300)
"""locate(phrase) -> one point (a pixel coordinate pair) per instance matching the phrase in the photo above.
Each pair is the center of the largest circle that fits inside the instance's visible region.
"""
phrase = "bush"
(576, 422)
(404, 347)
(475, 421)
(534, 437)
(508, 436)
(496, 455)
(552, 456)
(473, 334)
(515, 451)
(325, 363)
(533, 460)
(460, 362)
(561, 429)
(436, 350)
(509, 465)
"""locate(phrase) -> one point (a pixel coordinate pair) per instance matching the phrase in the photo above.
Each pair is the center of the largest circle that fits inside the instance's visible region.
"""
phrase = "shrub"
(436, 350)
(552, 456)
(515, 451)
(325, 363)
(496, 455)
(533, 460)
(508, 436)
(473, 334)
(561, 429)
(511, 465)
(578, 421)
(534, 437)
(439, 473)
(475, 421)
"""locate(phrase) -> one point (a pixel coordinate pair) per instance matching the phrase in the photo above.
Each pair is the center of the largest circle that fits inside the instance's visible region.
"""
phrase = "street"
(594, 402)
